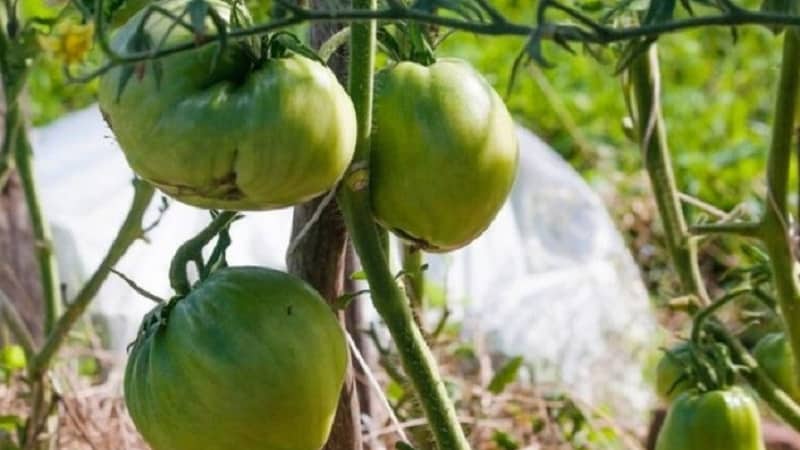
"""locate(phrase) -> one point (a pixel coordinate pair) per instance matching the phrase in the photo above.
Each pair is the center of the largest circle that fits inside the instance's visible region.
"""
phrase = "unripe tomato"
(250, 359)
(669, 370)
(774, 355)
(726, 419)
(232, 132)
(444, 153)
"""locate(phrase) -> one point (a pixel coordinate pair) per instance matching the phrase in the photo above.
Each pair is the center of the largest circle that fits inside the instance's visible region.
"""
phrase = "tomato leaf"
(506, 375)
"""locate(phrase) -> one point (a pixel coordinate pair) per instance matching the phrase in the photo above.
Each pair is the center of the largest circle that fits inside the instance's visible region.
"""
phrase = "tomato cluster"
(251, 358)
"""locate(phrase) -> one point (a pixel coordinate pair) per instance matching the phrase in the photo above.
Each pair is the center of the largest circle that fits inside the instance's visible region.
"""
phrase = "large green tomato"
(725, 419)
(444, 153)
(250, 359)
(235, 132)
(670, 369)
(774, 355)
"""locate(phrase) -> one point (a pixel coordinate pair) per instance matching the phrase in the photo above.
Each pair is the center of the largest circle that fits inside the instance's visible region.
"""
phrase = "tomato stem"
(388, 298)
(771, 230)
(192, 251)
(129, 232)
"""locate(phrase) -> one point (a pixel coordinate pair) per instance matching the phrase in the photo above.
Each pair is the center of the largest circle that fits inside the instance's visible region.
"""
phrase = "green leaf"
(13, 358)
(504, 441)
(660, 11)
(506, 375)
(358, 275)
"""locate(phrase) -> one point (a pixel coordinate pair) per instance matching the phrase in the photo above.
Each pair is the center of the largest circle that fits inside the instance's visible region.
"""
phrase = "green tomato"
(444, 153)
(725, 419)
(774, 355)
(224, 129)
(669, 370)
(250, 359)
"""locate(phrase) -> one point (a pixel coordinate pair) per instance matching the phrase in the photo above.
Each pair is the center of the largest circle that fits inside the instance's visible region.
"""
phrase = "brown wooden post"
(319, 258)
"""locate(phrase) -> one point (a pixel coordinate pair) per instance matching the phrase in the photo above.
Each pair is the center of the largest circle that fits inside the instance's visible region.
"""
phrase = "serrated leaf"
(506, 375)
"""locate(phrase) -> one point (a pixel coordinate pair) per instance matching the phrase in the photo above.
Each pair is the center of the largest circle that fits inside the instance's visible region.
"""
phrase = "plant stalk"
(129, 232)
(388, 298)
(644, 77)
(776, 233)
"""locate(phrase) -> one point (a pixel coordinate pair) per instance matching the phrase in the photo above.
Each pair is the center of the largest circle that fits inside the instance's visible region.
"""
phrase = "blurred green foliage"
(717, 98)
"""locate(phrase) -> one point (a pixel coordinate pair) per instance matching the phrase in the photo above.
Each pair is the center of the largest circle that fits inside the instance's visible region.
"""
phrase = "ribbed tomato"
(444, 153)
(725, 419)
(229, 131)
(250, 359)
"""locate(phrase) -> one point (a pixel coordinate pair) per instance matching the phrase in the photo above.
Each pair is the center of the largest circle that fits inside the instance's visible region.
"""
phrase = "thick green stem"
(129, 232)
(414, 277)
(775, 229)
(644, 77)
(192, 249)
(388, 298)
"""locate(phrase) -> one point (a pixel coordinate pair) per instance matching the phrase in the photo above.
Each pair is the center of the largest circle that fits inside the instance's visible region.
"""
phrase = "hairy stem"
(413, 276)
(644, 77)
(129, 232)
(388, 298)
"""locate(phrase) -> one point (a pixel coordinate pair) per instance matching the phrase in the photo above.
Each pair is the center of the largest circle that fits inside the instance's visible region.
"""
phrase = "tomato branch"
(129, 232)
(192, 251)
(587, 30)
(17, 326)
(645, 84)
(388, 298)
(775, 223)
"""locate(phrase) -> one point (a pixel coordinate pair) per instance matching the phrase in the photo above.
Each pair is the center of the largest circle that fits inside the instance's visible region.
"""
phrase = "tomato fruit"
(228, 130)
(444, 153)
(669, 370)
(250, 359)
(726, 419)
(775, 356)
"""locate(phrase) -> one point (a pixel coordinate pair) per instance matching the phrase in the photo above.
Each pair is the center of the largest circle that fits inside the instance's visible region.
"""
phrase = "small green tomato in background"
(250, 359)
(444, 153)
(670, 369)
(230, 130)
(724, 419)
(774, 355)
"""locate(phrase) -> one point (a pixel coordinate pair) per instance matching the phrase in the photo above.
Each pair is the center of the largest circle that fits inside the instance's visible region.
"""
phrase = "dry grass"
(91, 413)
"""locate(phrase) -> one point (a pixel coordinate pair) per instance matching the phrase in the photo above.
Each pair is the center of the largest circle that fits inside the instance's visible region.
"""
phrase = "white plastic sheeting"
(551, 279)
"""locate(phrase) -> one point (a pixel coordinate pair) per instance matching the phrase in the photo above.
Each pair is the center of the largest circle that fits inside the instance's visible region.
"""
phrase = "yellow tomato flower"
(69, 41)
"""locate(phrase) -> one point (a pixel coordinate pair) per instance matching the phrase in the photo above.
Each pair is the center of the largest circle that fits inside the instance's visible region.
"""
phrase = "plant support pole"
(388, 298)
